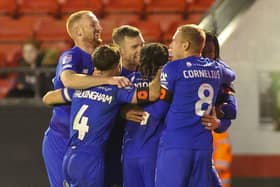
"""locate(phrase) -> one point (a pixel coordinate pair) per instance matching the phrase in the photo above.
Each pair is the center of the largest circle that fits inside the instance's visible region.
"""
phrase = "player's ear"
(186, 45)
(76, 30)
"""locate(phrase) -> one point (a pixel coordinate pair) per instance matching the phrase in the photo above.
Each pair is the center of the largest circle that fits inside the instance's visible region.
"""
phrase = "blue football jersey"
(194, 83)
(142, 140)
(76, 60)
(126, 72)
(93, 112)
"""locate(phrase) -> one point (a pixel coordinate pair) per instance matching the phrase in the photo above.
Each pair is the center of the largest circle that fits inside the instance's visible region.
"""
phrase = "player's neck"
(130, 67)
(87, 47)
(108, 73)
(188, 54)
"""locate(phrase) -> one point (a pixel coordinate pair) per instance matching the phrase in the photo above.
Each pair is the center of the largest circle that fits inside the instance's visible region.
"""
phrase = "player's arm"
(151, 93)
(59, 96)
(228, 73)
(220, 118)
(154, 87)
(74, 80)
(226, 103)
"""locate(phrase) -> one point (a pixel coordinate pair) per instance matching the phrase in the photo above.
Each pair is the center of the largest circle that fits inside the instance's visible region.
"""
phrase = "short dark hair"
(124, 31)
(152, 57)
(106, 57)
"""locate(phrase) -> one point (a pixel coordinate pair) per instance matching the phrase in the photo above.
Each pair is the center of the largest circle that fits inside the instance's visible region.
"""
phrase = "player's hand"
(219, 111)
(135, 115)
(121, 82)
(132, 113)
(210, 121)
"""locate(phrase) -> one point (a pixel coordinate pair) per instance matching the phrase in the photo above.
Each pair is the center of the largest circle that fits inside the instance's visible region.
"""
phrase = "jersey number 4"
(80, 123)
(204, 99)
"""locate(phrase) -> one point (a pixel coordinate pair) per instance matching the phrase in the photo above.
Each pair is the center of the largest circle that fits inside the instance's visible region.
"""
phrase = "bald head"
(74, 19)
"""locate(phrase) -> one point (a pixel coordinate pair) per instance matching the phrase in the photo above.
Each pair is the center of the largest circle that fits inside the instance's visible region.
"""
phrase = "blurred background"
(33, 35)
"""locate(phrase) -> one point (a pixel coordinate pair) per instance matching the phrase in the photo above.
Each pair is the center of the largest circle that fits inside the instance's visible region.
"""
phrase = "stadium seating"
(124, 6)
(168, 19)
(199, 6)
(51, 30)
(8, 7)
(10, 54)
(166, 6)
(38, 7)
(70, 6)
(160, 23)
(108, 25)
(192, 19)
(151, 30)
(12, 30)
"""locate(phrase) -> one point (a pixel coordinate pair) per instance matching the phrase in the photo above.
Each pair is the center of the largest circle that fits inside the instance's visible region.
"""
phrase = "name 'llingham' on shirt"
(94, 95)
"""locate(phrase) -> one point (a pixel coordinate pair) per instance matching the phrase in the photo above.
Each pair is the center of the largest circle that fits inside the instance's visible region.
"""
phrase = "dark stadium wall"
(22, 129)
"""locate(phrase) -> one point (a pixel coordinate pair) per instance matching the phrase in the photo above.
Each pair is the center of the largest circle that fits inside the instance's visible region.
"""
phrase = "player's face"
(130, 49)
(176, 47)
(91, 29)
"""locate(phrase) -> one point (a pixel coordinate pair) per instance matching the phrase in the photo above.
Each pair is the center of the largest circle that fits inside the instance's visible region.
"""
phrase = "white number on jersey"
(80, 123)
(204, 99)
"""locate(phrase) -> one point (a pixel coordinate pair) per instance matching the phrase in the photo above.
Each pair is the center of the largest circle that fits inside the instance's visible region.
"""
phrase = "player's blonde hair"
(193, 34)
(74, 18)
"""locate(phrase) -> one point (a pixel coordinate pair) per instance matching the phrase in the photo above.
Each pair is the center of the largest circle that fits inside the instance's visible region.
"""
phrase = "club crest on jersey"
(163, 76)
(66, 59)
(188, 64)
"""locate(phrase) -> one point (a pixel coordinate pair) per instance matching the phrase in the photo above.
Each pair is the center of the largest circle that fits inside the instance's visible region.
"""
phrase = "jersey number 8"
(204, 99)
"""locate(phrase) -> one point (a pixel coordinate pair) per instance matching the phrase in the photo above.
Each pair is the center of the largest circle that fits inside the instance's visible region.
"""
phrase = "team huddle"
(167, 101)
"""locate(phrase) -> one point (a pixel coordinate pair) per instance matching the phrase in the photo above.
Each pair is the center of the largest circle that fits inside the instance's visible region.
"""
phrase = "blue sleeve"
(67, 94)
(70, 60)
(230, 109)
(157, 109)
(125, 95)
(228, 73)
(168, 76)
(224, 125)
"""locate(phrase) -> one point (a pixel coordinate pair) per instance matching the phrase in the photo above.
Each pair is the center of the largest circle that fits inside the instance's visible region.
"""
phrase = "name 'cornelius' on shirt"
(93, 95)
(212, 74)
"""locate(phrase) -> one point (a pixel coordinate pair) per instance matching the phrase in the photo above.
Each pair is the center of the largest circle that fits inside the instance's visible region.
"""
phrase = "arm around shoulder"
(53, 97)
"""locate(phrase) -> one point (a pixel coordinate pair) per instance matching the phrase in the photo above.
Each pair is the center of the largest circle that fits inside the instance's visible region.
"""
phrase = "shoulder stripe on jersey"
(66, 94)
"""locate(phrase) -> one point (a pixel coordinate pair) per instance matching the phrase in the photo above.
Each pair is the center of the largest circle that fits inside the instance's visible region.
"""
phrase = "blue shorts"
(183, 167)
(83, 168)
(216, 181)
(53, 150)
(139, 172)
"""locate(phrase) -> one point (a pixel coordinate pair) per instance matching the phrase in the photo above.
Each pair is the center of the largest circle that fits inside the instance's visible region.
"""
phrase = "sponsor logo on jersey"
(163, 76)
(188, 64)
(141, 84)
(66, 59)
